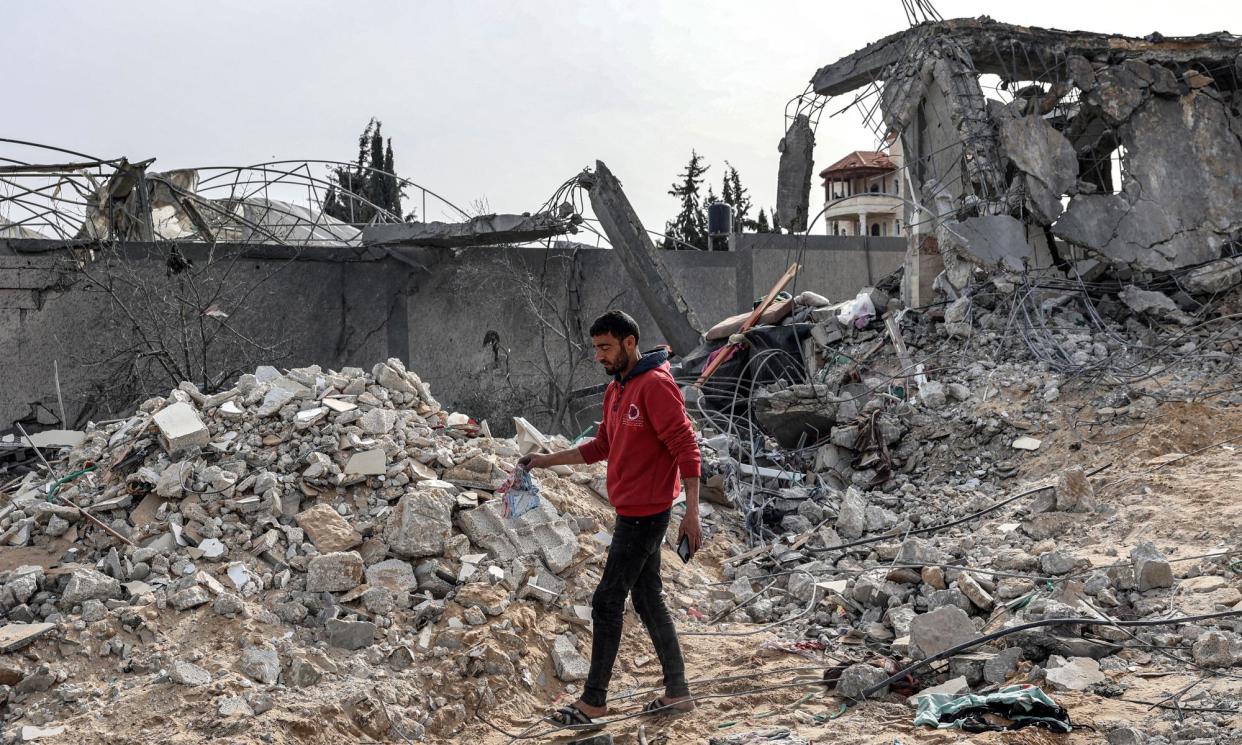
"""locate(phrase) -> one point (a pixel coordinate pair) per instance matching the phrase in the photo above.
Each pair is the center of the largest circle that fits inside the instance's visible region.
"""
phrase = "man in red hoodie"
(647, 440)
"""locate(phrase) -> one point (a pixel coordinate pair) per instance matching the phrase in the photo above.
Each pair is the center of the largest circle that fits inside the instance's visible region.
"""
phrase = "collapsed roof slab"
(1029, 53)
(484, 230)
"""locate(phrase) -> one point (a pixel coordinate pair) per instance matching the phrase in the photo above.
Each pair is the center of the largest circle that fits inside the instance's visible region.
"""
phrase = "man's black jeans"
(633, 568)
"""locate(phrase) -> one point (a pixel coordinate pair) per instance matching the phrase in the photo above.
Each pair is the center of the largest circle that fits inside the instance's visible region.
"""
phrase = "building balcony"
(869, 203)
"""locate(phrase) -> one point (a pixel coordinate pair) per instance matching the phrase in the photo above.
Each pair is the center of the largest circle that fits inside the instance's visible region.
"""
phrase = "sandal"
(659, 708)
(572, 718)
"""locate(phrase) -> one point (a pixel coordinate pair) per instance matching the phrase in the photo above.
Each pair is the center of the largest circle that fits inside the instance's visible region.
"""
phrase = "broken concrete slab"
(941, 629)
(181, 427)
(335, 572)
(1047, 159)
(395, 574)
(483, 230)
(14, 636)
(367, 463)
(421, 523)
(1074, 674)
(1151, 569)
(325, 528)
(991, 241)
(793, 181)
(570, 665)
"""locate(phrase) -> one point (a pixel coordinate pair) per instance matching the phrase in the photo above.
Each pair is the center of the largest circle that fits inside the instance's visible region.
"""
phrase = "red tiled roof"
(860, 160)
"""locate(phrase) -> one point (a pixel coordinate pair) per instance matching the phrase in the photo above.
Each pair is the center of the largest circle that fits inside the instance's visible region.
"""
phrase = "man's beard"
(624, 362)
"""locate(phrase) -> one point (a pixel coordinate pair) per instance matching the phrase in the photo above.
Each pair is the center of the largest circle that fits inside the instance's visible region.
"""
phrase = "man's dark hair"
(616, 322)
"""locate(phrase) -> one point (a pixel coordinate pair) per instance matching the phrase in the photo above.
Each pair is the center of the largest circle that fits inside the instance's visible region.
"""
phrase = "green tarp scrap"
(1023, 705)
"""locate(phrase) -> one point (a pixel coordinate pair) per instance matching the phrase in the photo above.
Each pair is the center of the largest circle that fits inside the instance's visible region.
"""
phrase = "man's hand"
(692, 530)
(533, 461)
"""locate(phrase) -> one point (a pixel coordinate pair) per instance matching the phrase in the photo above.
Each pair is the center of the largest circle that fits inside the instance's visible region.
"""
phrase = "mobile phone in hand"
(683, 549)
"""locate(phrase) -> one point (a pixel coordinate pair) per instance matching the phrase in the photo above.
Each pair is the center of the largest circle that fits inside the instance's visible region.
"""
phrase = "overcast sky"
(490, 99)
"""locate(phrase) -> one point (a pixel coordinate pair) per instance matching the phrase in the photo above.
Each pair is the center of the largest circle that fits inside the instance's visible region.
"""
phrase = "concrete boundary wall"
(463, 322)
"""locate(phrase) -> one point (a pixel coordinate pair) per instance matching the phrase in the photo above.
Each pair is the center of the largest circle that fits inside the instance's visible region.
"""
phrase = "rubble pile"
(854, 476)
(304, 529)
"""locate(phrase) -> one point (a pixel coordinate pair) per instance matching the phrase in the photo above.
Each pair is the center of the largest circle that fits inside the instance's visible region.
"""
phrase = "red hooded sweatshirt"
(646, 438)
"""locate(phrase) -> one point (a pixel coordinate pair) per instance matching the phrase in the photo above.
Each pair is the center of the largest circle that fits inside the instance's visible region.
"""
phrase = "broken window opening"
(1117, 169)
(875, 229)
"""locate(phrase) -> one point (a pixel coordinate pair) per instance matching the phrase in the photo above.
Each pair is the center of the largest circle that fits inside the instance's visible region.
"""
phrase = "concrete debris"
(941, 629)
(569, 663)
(857, 678)
(483, 230)
(1074, 674)
(793, 186)
(1151, 569)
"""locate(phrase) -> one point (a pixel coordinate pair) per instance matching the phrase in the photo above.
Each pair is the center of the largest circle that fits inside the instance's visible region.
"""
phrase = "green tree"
(689, 228)
(738, 197)
(365, 190)
(761, 225)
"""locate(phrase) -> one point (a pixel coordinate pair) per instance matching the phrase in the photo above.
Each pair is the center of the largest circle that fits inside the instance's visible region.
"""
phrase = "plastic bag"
(520, 493)
(860, 311)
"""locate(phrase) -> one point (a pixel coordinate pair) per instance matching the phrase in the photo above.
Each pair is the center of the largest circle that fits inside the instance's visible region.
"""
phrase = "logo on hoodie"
(633, 417)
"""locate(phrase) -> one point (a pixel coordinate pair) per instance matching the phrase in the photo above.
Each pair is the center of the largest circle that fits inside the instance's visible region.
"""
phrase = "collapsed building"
(1011, 135)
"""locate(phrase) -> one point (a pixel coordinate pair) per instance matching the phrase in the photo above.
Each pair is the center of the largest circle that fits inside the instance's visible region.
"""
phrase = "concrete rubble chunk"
(367, 463)
(351, 635)
(421, 523)
(859, 677)
(1074, 492)
(540, 532)
(794, 172)
(191, 597)
(14, 636)
(395, 574)
(570, 665)
(971, 588)
(852, 517)
(378, 421)
(1003, 664)
(274, 400)
(953, 687)
(941, 629)
(1074, 674)
(1213, 278)
(234, 707)
(335, 572)
(1217, 649)
(1152, 303)
(180, 427)
(326, 529)
(1151, 569)
(188, 674)
(86, 583)
(260, 664)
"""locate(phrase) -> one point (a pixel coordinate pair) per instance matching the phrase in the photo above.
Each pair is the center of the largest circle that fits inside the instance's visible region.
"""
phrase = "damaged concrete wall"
(462, 321)
(313, 311)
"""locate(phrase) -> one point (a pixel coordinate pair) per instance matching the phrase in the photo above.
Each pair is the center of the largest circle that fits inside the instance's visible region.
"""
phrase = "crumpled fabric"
(520, 493)
(1025, 705)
